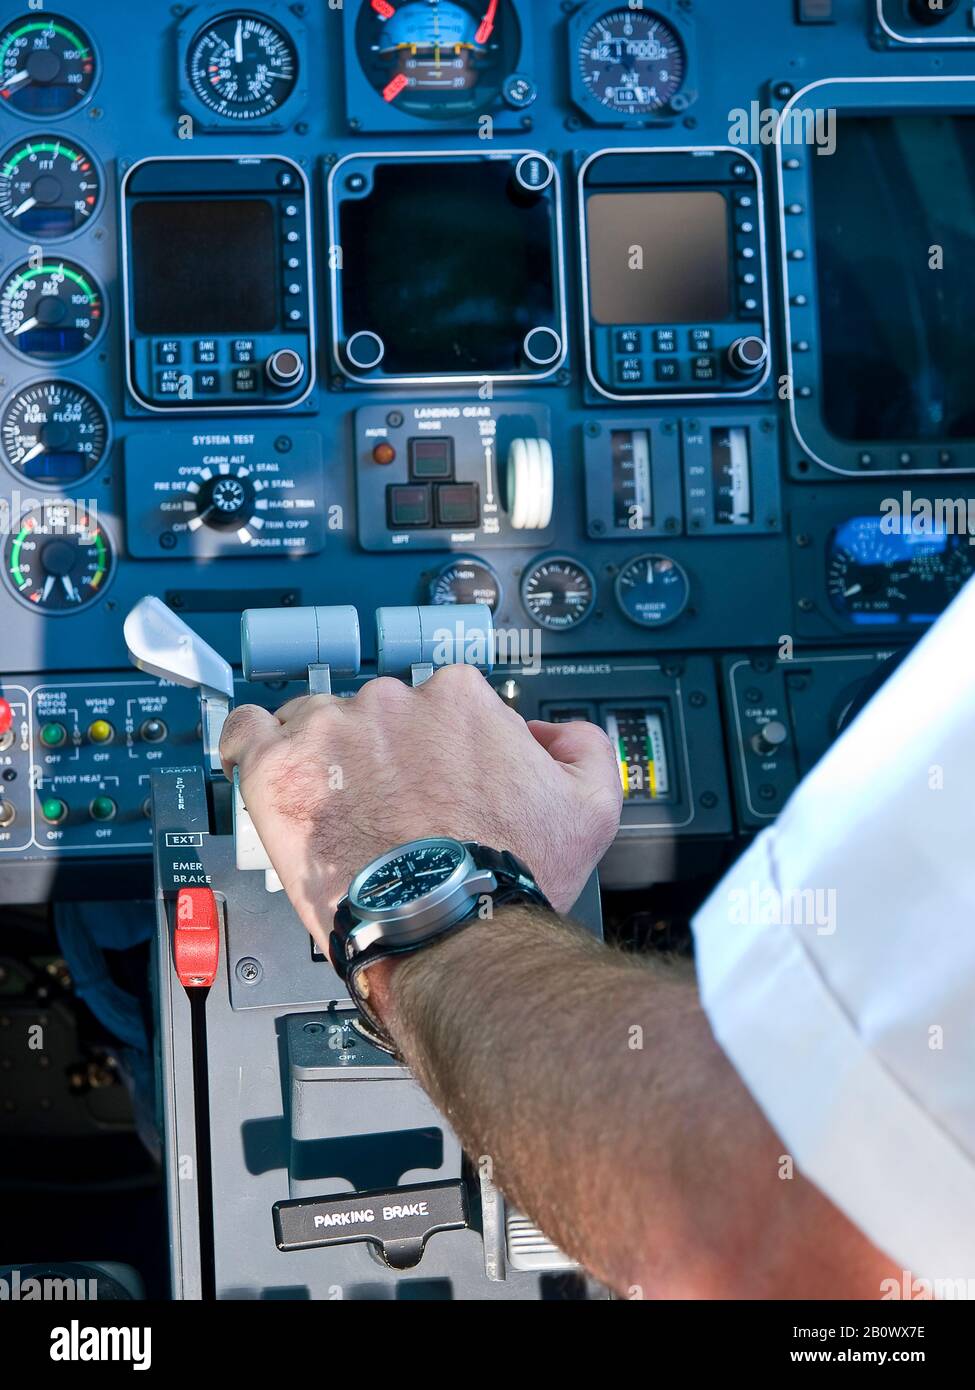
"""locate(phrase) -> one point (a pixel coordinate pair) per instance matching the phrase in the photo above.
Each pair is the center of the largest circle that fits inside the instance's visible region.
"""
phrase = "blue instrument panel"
(404, 300)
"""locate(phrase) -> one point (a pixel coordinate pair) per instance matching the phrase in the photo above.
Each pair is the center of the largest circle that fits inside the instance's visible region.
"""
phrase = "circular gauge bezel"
(597, 111)
(35, 117)
(44, 380)
(480, 99)
(53, 241)
(60, 612)
(892, 619)
(465, 560)
(640, 560)
(237, 120)
(54, 364)
(558, 559)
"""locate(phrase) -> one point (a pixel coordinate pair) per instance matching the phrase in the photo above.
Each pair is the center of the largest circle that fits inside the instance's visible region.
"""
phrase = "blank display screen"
(894, 207)
(447, 267)
(658, 257)
(204, 267)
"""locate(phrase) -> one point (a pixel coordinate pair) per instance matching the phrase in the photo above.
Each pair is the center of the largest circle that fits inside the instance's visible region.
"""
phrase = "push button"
(205, 351)
(245, 380)
(458, 504)
(665, 340)
(54, 810)
(431, 458)
(629, 372)
(169, 352)
(168, 383)
(100, 731)
(667, 370)
(54, 735)
(244, 350)
(206, 383)
(705, 369)
(629, 341)
(408, 505)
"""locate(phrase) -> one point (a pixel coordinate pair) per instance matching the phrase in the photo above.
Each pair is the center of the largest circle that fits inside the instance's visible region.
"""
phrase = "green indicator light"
(103, 808)
(53, 735)
(53, 810)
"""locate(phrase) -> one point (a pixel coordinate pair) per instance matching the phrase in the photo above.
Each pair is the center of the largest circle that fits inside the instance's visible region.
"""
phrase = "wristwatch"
(414, 895)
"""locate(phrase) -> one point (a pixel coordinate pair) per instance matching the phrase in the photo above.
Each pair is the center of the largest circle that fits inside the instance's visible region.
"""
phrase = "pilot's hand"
(331, 783)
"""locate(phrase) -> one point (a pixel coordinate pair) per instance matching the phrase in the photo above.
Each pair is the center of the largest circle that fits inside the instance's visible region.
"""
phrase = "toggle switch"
(770, 738)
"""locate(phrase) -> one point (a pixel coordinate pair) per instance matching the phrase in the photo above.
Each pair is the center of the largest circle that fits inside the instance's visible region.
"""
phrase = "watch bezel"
(445, 904)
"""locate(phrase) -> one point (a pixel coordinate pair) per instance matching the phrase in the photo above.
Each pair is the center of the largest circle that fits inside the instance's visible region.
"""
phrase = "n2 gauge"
(242, 67)
(51, 312)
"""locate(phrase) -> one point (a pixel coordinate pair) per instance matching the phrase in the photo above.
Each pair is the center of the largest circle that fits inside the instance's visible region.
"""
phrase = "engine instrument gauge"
(242, 66)
(47, 66)
(558, 592)
(49, 188)
(652, 590)
(880, 579)
(57, 558)
(438, 59)
(53, 432)
(632, 62)
(466, 581)
(51, 312)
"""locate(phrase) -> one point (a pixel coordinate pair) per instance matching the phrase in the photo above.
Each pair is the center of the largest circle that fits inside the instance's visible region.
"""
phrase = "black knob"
(284, 368)
(931, 11)
(748, 355)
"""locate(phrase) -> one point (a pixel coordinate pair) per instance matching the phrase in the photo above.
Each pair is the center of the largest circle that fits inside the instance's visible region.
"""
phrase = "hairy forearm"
(593, 1085)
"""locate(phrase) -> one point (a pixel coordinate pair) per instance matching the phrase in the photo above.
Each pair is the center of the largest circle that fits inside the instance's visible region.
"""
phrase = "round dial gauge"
(467, 581)
(242, 66)
(47, 66)
(53, 432)
(652, 590)
(559, 593)
(438, 59)
(409, 876)
(51, 312)
(49, 188)
(876, 579)
(632, 61)
(58, 559)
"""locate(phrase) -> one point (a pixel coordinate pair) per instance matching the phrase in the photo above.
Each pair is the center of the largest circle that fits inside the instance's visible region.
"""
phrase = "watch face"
(409, 876)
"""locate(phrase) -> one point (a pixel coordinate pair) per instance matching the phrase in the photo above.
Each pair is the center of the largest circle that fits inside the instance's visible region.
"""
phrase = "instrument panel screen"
(479, 276)
(204, 266)
(659, 257)
(893, 209)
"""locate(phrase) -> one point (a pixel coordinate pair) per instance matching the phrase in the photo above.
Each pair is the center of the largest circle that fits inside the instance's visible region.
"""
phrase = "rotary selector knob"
(746, 356)
(770, 738)
(226, 501)
(285, 368)
(530, 484)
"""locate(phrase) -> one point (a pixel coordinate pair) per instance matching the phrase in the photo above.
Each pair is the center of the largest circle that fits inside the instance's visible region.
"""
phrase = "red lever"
(196, 941)
(6, 717)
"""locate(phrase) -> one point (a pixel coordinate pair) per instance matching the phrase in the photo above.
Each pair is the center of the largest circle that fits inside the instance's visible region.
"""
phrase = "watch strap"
(515, 885)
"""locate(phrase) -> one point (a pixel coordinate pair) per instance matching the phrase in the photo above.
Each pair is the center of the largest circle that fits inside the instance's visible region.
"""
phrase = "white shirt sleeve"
(837, 963)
